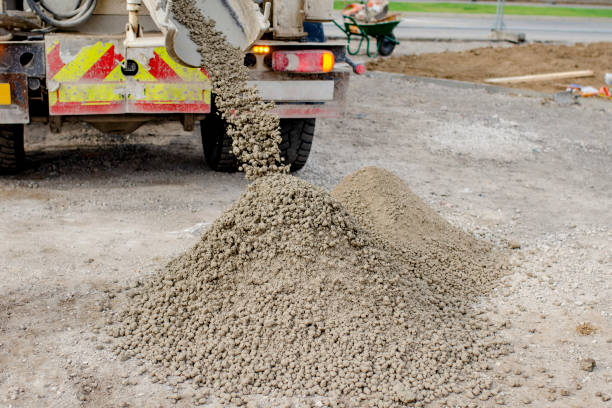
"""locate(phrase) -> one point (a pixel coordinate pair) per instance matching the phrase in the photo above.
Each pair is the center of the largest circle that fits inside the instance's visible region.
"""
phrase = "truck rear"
(116, 78)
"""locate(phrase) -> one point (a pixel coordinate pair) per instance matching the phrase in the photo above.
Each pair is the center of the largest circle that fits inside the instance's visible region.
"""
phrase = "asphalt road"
(478, 27)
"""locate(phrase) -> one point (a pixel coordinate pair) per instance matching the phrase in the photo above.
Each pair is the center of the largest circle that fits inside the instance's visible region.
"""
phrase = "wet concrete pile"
(359, 298)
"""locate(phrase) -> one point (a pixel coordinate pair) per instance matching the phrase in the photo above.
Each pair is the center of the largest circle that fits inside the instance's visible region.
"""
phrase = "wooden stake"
(541, 77)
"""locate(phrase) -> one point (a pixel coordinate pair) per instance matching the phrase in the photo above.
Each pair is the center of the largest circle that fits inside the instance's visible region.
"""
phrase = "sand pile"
(288, 294)
(391, 212)
(252, 125)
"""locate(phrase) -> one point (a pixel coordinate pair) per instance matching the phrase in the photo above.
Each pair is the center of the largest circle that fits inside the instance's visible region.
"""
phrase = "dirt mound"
(251, 123)
(289, 296)
(478, 64)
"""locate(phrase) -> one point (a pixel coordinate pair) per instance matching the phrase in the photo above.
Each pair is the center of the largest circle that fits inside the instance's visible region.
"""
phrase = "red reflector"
(315, 61)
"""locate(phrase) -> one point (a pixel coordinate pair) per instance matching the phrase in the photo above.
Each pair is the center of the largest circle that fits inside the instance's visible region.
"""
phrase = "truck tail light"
(313, 61)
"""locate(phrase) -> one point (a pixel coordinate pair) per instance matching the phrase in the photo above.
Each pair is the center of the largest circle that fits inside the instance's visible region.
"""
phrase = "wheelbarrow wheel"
(386, 44)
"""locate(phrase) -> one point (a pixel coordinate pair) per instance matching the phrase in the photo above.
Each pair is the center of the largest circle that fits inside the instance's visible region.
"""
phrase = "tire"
(386, 45)
(295, 146)
(12, 155)
(297, 137)
(217, 145)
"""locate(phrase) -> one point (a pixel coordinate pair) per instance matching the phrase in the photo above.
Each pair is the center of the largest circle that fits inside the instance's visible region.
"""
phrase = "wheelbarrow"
(381, 30)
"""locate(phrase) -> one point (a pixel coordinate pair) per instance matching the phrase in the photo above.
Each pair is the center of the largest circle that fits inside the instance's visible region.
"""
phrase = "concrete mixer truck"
(117, 64)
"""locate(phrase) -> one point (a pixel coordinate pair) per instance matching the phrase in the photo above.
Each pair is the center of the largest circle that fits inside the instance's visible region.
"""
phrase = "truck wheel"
(295, 147)
(12, 154)
(297, 137)
(217, 145)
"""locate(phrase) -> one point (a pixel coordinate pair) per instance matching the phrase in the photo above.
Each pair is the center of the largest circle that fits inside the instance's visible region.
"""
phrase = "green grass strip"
(459, 8)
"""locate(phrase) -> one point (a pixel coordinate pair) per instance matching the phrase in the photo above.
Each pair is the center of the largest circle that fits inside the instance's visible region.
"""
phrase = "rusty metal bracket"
(23, 57)
(188, 121)
(55, 124)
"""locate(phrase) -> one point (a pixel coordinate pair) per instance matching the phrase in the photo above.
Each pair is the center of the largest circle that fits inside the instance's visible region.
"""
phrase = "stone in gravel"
(565, 98)
(294, 291)
(514, 245)
(500, 401)
(585, 329)
(587, 364)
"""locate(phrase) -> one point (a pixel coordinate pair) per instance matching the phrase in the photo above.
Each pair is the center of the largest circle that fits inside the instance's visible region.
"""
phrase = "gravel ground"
(93, 213)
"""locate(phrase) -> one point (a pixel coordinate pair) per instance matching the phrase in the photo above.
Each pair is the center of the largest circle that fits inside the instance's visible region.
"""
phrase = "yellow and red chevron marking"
(90, 81)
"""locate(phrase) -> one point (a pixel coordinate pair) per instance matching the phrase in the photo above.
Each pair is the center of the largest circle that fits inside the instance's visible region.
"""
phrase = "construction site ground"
(94, 212)
(479, 64)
